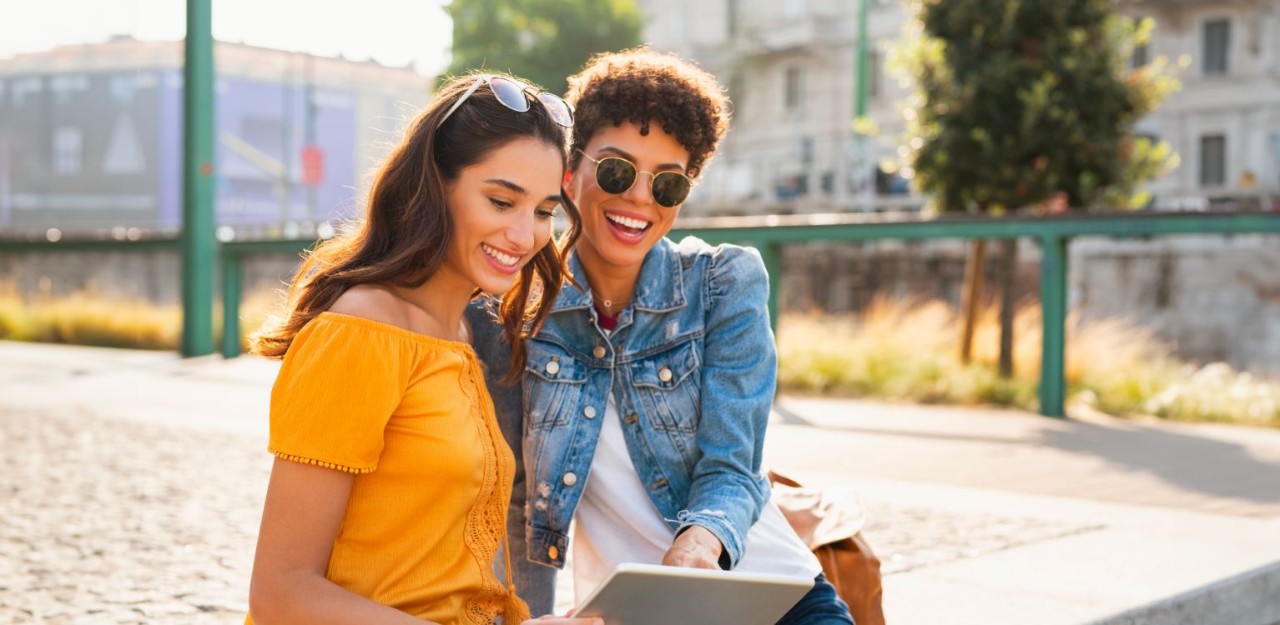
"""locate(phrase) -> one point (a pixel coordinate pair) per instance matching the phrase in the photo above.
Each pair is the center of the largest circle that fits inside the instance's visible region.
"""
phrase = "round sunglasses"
(616, 175)
(515, 95)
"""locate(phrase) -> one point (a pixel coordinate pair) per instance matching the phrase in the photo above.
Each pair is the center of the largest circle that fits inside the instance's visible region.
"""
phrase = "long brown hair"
(404, 235)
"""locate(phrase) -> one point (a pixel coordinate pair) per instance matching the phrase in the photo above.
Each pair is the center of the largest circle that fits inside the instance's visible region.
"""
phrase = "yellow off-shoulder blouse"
(410, 416)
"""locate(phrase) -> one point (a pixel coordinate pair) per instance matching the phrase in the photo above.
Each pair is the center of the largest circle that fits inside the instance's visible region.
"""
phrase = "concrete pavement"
(133, 483)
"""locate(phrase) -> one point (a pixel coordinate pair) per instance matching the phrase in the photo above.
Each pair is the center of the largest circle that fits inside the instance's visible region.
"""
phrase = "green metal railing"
(770, 234)
(233, 256)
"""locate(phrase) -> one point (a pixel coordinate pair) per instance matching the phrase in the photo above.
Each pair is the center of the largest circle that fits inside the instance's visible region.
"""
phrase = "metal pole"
(232, 278)
(310, 130)
(771, 254)
(197, 245)
(860, 99)
(1053, 304)
(860, 107)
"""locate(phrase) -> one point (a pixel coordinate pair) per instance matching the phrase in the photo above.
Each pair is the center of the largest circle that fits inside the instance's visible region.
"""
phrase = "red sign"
(312, 165)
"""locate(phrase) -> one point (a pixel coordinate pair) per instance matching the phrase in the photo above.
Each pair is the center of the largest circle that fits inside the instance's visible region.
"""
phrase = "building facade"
(1225, 121)
(91, 137)
(790, 67)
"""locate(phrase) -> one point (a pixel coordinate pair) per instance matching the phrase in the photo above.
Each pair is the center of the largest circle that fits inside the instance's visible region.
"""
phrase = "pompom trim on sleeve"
(321, 463)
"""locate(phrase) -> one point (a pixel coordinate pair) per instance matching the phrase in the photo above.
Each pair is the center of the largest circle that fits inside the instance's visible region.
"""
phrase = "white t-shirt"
(616, 522)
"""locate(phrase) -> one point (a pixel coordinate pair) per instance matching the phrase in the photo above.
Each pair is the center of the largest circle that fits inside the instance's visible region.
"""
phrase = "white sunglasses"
(515, 95)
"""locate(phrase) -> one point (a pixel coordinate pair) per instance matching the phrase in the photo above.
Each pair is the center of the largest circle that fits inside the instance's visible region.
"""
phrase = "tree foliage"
(543, 41)
(1018, 100)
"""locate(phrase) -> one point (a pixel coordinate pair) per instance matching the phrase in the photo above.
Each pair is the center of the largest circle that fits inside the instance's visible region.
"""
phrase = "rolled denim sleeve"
(534, 583)
(738, 379)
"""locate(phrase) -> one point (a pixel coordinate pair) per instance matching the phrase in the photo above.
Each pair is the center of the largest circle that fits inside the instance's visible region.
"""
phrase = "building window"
(64, 86)
(793, 89)
(1141, 56)
(67, 151)
(731, 17)
(122, 88)
(1213, 160)
(23, 86)
(1217, 42)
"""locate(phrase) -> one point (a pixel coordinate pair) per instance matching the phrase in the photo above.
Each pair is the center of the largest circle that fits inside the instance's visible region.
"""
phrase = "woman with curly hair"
(641, 413)
(389, 492)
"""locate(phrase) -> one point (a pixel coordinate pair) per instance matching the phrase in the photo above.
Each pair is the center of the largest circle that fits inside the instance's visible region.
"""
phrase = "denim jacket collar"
(659, 288)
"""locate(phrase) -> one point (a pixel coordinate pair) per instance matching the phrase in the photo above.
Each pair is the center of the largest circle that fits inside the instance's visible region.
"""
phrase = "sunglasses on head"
(616, 175)
(515, 95)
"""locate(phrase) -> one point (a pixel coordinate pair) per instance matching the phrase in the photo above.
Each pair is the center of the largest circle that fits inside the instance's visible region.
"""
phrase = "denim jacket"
(691, 365)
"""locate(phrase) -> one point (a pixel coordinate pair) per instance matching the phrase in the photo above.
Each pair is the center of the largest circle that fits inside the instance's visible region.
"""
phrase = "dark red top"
(607, 322)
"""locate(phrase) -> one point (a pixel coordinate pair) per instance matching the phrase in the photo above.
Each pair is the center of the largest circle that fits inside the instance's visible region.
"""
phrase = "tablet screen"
(650, 594)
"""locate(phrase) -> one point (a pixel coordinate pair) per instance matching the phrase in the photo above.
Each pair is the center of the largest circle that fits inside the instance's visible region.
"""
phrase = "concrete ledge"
(1250, 598)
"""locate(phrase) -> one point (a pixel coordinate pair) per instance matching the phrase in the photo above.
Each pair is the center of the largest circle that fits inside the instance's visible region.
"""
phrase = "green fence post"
(771, 254)
(232, 278)
(197, 245)
(1053, 304)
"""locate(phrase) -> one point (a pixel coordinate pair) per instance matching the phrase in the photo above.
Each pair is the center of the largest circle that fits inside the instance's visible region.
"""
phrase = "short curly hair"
(643, 86)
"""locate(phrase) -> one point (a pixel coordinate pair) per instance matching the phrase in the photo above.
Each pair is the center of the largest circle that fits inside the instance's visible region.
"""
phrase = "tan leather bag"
(831, 525)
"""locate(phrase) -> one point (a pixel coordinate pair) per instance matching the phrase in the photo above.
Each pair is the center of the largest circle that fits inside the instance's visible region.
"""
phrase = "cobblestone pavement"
(113, 521)
(108, 521)
(909, 538)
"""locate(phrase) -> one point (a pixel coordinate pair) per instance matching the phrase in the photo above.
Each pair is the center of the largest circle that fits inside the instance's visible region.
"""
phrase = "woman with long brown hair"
(388, 495)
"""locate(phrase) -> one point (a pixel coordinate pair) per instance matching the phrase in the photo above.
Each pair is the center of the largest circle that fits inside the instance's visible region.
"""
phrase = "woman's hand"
(695, 548)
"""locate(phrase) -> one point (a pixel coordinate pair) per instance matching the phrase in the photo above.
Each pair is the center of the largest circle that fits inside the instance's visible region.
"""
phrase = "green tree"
(540, 40)
(1021, 101)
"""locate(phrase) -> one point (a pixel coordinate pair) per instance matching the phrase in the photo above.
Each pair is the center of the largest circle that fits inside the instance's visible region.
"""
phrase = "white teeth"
(627, 221)
(505, 259)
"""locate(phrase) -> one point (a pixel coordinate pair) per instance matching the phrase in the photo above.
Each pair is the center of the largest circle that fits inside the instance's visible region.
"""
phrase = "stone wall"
(150, 275)
(1213, 297)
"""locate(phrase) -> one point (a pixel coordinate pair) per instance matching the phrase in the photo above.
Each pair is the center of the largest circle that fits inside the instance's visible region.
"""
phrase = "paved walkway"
(133, 481)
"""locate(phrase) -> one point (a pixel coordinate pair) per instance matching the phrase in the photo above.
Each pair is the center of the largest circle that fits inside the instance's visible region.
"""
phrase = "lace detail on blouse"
(486, 521)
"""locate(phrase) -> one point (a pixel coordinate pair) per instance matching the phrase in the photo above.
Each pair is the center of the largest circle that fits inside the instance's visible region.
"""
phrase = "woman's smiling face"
(620, 229)
(501, 209)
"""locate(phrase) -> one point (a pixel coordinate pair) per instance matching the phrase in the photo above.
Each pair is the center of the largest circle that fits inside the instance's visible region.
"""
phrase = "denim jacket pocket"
(667, 387)
(554, 379)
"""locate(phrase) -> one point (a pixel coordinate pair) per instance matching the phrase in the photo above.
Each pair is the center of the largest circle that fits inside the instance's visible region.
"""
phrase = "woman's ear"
(567, 183)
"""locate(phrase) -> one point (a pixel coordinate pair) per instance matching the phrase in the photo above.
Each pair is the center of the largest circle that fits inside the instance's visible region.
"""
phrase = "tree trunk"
(1008, 276)
(973, 274)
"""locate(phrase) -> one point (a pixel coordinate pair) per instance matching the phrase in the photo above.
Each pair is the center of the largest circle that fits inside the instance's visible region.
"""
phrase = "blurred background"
(836, 112)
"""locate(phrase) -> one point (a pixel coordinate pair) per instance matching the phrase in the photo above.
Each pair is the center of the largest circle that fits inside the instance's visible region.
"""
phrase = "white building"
(1225, 122)
(789, 67)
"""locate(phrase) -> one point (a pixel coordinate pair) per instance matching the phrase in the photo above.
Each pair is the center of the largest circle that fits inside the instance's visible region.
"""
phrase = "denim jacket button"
(589, 412)
(631, 419)
(552, 552)
(599, 351)
(664, 374)
(553, 367)
(569, 480)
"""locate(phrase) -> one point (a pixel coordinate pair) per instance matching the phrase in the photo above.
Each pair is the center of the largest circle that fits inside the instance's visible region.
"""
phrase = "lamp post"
(197, 245)
(862, 68)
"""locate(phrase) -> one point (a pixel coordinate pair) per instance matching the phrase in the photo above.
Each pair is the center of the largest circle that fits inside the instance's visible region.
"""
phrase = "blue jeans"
(821, 606)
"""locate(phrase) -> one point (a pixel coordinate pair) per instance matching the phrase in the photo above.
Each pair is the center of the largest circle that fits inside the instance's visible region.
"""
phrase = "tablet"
(651, 594)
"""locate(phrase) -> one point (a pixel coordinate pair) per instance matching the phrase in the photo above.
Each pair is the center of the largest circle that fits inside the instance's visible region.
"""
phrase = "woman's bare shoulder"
(375, 303)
